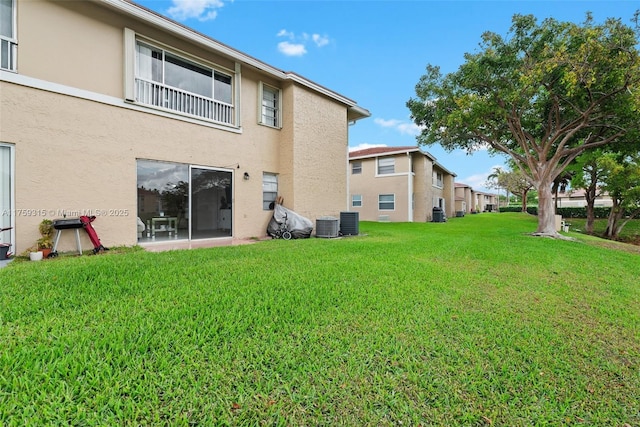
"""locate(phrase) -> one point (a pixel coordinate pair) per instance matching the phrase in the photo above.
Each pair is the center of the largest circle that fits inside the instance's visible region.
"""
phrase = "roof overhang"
(138, 12)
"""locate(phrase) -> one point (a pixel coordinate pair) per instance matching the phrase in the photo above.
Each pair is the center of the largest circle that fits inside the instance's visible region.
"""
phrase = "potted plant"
(35, 254)
(45, 243)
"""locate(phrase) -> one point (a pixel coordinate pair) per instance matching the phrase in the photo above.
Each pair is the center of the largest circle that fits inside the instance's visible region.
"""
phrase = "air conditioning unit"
(349, 223)
(327, 227)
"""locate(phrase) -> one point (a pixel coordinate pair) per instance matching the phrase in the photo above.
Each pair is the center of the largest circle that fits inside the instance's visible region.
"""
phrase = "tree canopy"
(543, 95)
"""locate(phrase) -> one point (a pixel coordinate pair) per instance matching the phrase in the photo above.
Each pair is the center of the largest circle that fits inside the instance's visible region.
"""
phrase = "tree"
(543, 96)
(588, 174)
(513, 181)
(622, 182)
(493, 181)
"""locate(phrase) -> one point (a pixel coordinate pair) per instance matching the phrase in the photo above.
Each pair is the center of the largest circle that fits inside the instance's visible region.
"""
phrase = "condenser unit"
(349, 223)
(327, 227)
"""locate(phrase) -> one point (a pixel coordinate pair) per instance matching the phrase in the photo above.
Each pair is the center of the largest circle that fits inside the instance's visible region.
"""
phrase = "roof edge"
(140, 12)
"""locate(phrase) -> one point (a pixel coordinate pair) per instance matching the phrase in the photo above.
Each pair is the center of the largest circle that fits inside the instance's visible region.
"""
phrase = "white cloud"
(478, 181)
(298, 43)
(320, 40)
(364, 146)
(292, 49)
(203, 10)
(386, 123)
(403, 127)
(285, 33)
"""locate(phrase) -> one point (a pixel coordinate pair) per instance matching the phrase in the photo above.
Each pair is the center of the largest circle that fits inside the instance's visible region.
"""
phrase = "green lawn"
(630, 232)
(470, 322)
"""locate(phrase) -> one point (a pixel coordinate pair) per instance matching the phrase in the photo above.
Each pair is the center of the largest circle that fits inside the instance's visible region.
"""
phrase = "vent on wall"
(327, 227)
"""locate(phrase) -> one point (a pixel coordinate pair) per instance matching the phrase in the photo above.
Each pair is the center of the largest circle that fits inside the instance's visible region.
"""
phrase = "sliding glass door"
(178, 201)
(210, 203)
(7, 209)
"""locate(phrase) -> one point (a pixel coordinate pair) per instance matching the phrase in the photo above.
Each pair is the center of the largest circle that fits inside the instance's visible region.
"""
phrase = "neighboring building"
(398, 184)
(464, 198)
(576, 199)
(484, 202)
(469, 200)
(171, 138)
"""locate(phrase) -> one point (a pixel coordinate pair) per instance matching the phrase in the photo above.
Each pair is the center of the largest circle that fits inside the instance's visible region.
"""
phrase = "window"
(386, 202)
(269, 190)
(166, 80)
(356, 168)
(270, 113)
(438, 179)
(8, 42)
(356, 200)
(386, 165)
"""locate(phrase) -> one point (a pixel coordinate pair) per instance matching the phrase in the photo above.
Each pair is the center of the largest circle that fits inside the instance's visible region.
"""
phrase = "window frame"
(386, 159)
(392, 202)
(356, 198)
(10, 43)
(277, 116)
(356, 167)
(439, 183)
(8, 193)
(266, 201)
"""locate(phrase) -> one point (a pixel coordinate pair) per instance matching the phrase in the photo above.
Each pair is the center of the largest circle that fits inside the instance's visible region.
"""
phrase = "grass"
(629, 234)
(469, 322)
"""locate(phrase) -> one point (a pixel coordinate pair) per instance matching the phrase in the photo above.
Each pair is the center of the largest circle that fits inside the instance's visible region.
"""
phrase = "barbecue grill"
(66, 224)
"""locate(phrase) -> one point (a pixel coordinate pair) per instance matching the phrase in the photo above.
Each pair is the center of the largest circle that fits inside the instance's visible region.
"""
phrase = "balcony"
(183, 102)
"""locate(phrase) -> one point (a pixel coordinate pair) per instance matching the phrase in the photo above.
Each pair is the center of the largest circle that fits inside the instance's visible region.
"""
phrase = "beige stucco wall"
(448, 194)
(80, 44)
(313, 159)
(79, 155)
(423, 168)
(58, 43)
(414, 175)
(463, 199)
(370, 186)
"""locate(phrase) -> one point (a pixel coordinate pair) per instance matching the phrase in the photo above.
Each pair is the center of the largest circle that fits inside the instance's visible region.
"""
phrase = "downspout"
(348, 209)
(410, 189)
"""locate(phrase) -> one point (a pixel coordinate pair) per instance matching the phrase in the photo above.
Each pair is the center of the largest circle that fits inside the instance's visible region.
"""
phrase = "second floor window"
(356, 168)
(438, 179)
(169, 81)
(386, 165)
(8, 42)
(270, 106)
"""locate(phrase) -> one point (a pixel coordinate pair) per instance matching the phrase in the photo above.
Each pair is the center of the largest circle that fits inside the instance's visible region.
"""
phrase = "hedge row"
(565, 212)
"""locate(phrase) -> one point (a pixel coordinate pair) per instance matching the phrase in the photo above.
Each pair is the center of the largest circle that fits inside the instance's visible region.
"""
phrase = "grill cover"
(65, 223)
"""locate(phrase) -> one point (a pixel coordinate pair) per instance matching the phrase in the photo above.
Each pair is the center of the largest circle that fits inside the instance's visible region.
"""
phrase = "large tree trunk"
(590, 196)
(524, 200)
(615, 215)
(546, 211)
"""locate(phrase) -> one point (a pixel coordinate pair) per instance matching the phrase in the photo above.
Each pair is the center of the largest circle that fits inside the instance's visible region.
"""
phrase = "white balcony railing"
(159, 95)
(8, 50)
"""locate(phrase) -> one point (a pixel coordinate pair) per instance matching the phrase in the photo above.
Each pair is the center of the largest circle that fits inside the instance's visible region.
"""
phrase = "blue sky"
(374, 52)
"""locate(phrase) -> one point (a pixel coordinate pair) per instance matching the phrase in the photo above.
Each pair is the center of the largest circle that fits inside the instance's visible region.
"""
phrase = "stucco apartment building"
(399, 184)
(469, 200)
(172, 139)
(576, 199)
